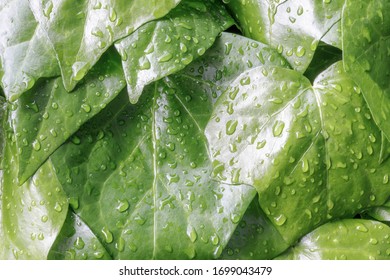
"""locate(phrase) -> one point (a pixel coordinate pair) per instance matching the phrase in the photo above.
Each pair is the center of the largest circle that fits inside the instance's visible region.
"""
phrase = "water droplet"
(79, 243)
(215, 239)
(245, 81)
(280, 220)
(120, 245)
(123, 205)
(58, 207)
(300, 51)
(165, 57)
(44, 218)
(108, 237)
(235, 218)
(144, 63)
(278, 127)
(361, 228)
(191, 233)
(86, 107)
(112, 15)
(47, 10)
(231, 126)
(36, 145)
(79, 69)
(300, 10)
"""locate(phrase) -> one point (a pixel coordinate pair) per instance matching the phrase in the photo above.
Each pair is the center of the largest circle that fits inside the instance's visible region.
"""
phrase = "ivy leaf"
(77, 242)
(25, 52)
(80, 32)
(31, 215)
(140, 177)
(293, 27)
(349, 239)
(312, 152)
(366, 54)
(165, 46)
(47, 115)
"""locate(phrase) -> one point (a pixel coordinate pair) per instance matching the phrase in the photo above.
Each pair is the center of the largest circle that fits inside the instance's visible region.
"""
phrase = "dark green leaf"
(165, 46)
(81, 31)
(293, 27)
(77, 242)
(344, 240)
(25, 52)
(312, 152)
(366, 41)
(255, 237)
(47, 115)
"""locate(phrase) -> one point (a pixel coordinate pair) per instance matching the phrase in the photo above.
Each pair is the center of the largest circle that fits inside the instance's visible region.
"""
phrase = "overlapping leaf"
(77, 242)
(31, 215)
(313, 153)
(292, 27)
(165, 46)
(47, 115)
(142, 180)
(366, 54)
(80, 32)
(25, 52)
(338, 241)
(139, 175)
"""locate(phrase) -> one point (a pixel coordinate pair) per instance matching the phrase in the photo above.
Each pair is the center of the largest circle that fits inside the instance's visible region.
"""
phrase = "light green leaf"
(293, 27)
(312, 152)
(162, 47)
(31, 215)
(343, 240)
(77, 242)
(366, 41)
(140, 177)
(81, 31)
(25, 52)
(47, 115)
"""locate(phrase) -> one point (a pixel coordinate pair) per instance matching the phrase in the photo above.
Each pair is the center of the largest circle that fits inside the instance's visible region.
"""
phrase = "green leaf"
(31, 215)
(312, 152)
(77, 242)
(25, 52)
(162, 47)
(366, 43)
(140, 177)
(47, 115)
(380, 213)
(82, 31)
(346, 239)
(149, 162)
(228, 58)
(324, 57)
(255, 238)
(293, 27)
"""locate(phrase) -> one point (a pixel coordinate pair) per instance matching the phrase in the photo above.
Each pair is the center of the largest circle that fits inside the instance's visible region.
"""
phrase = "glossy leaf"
(293, 27)
(312, 152)
(381, 213)
(25, 52)
(165, 46)
(255, 238)
(366, 56)
(77, 242)
(344, 240)
(47, 115)
(142, 180)
(82, 31)
(228, 58)
(31, 215)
